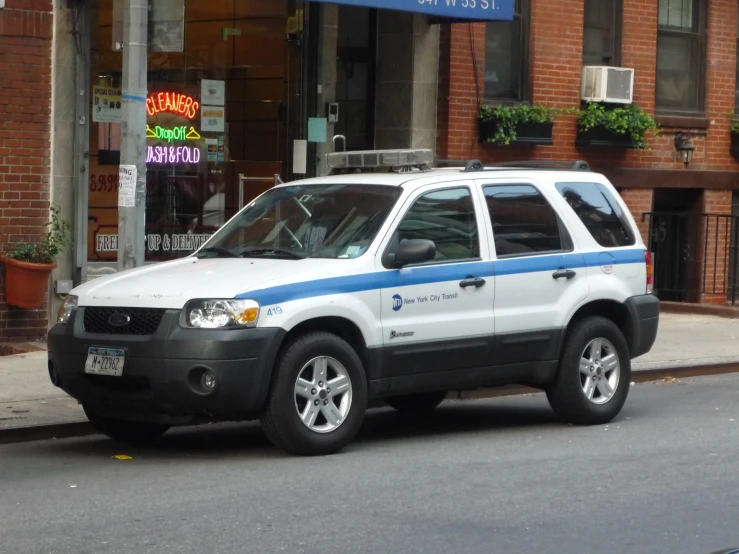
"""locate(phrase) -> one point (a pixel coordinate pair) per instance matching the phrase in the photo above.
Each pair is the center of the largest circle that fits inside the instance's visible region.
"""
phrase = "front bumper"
(161, 375)
(643, 323)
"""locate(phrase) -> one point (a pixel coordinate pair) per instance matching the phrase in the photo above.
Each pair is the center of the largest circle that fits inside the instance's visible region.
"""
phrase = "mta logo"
(397, 303)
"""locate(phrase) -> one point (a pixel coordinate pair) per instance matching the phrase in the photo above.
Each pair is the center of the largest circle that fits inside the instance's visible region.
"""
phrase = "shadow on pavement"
(381, 425)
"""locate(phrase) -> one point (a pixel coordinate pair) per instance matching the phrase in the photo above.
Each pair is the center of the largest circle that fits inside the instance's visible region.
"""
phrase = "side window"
(598, 210)
(446, 217)
(523, 222)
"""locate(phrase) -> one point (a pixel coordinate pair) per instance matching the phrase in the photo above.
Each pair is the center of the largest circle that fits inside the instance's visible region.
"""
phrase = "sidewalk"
(29, 400)
(27, 397)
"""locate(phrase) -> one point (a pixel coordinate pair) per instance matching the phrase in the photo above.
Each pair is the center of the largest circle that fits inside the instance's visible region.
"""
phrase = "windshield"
(310, 221)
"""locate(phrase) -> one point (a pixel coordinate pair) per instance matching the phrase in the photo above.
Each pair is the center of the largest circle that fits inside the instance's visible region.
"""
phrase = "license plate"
(105, 361)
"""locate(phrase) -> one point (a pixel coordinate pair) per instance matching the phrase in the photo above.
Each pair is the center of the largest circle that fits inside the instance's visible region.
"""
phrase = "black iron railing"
(694, 254)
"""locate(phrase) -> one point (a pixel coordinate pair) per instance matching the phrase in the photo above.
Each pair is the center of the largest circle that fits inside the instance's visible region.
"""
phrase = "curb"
(46, 432)
(725, 311)
(84, 428)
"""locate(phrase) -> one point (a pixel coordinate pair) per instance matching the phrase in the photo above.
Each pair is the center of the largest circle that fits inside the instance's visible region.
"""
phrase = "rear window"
(596, 207)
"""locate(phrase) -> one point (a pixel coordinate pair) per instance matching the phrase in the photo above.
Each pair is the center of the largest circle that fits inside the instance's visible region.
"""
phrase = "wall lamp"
(684, 146)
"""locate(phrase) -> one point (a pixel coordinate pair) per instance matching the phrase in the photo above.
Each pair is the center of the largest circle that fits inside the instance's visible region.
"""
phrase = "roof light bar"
(374, 159)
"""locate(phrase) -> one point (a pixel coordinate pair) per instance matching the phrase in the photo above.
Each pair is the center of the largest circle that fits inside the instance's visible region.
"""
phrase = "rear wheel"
(318, 397)
(415, 403)
(594, 373)
(126, 431)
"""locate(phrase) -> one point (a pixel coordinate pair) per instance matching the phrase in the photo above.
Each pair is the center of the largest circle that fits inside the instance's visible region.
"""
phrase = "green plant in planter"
(734, 123)
(49, 247)
(628, 120)
(506, 118)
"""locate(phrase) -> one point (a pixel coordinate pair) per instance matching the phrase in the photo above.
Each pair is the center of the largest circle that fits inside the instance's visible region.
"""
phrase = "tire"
(135, 432)
(326, 432)
(568, 396)
(416, 403)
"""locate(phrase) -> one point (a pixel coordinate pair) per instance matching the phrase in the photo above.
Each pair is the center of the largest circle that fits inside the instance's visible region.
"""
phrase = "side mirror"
(415, 251)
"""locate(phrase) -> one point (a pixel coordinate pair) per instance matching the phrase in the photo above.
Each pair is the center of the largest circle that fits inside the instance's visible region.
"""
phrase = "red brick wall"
(639, 202)
(721, 69)
(555, 79)
(26, 29)
(555, 69)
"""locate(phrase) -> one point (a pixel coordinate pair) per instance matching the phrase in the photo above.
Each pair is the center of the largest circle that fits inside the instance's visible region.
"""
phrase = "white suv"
(325, 294)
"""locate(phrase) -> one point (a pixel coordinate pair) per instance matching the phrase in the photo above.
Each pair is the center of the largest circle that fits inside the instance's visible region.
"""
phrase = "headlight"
(66, 309)
(221, 314)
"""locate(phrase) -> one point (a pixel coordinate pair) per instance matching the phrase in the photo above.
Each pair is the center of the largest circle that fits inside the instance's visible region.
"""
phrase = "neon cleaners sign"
(172, 155)
(180, 104)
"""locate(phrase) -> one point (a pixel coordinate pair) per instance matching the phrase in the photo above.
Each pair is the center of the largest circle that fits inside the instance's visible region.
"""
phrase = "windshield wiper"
(221, 252)
(250, 252)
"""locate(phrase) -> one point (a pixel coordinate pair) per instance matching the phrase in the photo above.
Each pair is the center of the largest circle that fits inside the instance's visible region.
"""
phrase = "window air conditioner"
(607, 84)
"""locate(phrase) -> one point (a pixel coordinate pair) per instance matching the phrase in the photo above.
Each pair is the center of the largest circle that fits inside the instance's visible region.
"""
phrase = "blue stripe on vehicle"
(438, 274)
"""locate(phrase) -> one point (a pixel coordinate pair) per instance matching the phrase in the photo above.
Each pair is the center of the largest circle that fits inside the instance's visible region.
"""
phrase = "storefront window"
(216, 110)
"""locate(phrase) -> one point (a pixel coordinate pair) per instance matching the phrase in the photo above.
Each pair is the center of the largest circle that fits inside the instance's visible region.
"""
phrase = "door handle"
(472, 282)
(566, 273)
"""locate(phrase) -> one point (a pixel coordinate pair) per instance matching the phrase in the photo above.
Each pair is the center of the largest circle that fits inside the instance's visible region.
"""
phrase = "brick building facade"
(552, 40)
(26, 33)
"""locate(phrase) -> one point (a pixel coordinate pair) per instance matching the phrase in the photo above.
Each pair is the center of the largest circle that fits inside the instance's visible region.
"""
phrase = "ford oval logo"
(119, 320)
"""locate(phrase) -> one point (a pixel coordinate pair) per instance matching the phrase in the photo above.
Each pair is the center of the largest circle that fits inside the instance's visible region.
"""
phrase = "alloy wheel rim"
(323, 394)
(600, 371)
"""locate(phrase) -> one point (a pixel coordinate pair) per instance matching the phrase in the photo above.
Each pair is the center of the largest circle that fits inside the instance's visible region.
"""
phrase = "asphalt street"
(490, 476)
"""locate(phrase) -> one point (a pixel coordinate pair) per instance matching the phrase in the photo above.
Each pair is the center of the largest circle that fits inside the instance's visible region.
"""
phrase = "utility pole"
(132, 196)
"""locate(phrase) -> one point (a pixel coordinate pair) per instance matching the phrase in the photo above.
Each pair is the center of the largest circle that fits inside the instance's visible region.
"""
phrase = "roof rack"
(472, 166)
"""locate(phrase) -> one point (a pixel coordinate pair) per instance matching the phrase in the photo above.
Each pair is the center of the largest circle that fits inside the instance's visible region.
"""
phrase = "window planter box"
(533, 134)
(734, 148)
(600, 137)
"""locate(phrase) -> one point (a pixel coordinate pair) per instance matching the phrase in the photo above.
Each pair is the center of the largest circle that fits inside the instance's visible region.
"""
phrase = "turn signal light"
(249, 315)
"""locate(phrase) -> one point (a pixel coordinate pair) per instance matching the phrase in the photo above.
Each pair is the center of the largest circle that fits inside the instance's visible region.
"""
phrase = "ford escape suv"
(388, 280)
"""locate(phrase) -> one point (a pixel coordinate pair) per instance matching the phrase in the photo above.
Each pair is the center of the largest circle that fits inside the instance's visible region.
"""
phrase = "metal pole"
(132, 220)
(82, 143)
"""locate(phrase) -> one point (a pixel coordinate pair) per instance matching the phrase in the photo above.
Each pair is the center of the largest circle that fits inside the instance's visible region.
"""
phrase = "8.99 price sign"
(104, 183)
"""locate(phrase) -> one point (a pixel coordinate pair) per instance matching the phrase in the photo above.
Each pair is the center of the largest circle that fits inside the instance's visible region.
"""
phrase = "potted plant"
(29, 264)
(619, 126)
(519, 124)
(734, 148)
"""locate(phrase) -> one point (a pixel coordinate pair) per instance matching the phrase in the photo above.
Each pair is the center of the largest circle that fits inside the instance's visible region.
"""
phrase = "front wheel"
(594, 373)
(416, 403)
(318, 397)
(126, 431)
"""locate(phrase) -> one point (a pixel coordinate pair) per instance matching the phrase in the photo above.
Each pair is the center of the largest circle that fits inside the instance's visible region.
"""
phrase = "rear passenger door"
(438, 316)
(540, 275)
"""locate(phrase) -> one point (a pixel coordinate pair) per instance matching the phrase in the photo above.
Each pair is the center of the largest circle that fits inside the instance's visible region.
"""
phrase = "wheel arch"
(340, 326)
(615, 311)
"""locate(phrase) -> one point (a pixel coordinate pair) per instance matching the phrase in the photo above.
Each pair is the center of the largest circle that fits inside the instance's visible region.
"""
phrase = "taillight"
(650, 271)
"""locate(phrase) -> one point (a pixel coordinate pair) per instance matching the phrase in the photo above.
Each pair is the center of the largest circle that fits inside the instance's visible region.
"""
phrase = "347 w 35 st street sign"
(483, 10)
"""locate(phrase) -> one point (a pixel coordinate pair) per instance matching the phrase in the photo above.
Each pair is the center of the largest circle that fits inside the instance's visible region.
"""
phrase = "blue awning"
(465, 10)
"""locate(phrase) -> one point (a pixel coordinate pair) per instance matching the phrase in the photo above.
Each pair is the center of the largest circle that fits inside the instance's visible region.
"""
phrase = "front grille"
(144, 321)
